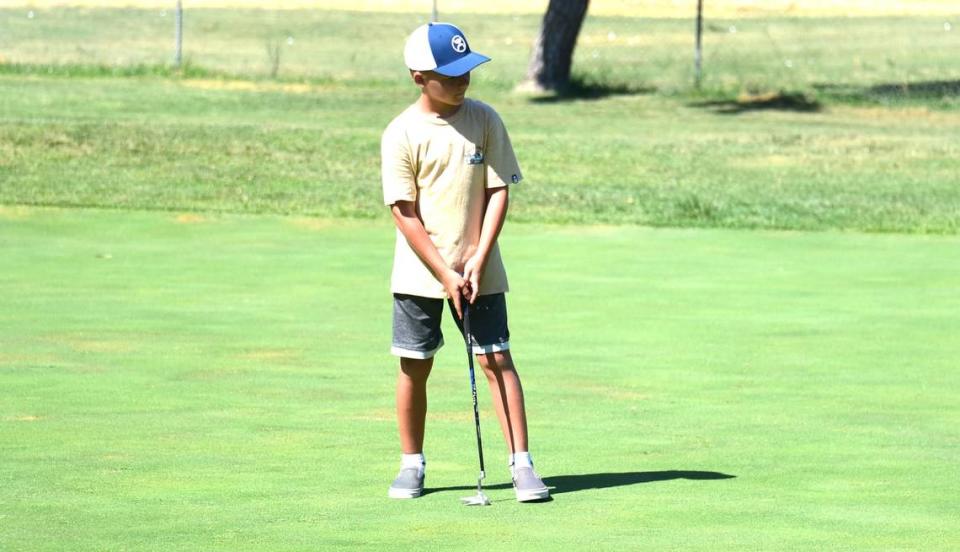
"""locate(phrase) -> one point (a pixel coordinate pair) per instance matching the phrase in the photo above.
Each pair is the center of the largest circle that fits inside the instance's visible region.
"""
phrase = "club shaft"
(473, 383)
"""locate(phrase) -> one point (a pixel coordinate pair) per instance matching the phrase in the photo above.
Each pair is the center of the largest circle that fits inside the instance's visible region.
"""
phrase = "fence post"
(178, 35)
(434, 15)
(698, 54)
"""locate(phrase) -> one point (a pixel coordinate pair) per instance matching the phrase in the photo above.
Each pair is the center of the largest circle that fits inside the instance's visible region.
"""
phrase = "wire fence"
(904, 55)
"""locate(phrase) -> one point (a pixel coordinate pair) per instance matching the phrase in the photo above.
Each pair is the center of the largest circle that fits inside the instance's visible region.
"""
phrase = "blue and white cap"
(440, 47)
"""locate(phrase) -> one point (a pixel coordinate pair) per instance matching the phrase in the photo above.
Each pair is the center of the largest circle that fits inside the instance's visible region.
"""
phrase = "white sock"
(413, 461)
(520, 460)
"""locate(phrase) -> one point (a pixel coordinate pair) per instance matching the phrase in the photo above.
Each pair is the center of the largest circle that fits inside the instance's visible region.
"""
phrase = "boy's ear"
(418, 78)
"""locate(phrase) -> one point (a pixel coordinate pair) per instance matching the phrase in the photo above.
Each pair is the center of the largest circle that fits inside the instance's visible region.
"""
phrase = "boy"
(447, 163)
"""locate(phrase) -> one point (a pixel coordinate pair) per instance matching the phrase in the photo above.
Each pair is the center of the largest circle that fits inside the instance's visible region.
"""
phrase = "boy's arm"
(410, 225)
(493, 217)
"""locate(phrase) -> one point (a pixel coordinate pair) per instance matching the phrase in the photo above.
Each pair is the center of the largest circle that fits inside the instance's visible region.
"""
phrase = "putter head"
(478, 499)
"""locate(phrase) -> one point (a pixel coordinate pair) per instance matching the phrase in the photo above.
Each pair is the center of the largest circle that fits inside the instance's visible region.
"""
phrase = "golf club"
(479, 499)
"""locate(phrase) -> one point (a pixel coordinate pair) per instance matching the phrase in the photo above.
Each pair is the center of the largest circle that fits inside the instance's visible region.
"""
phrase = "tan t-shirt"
(445, 165)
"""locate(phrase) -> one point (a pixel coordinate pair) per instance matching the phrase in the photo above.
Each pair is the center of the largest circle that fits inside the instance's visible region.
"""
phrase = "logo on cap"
(458, 44)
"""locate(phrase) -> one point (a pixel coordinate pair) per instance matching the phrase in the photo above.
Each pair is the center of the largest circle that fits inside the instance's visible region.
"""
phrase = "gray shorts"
(416, 325)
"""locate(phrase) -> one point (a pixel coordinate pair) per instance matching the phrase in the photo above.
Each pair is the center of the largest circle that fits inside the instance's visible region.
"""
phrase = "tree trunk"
(549, 68)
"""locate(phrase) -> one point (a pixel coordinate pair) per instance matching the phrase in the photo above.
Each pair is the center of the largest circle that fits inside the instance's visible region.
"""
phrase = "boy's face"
(442, 89)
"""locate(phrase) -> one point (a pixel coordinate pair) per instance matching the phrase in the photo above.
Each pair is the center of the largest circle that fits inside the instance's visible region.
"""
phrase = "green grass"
(93, 116)
(222, 382)
(766, 53)
(193, 343)
(154, 143)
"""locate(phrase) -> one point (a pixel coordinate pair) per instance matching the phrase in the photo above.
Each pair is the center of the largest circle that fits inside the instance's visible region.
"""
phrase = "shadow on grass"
(572, 483)
(923, 90)
(778, 101)
(584, 89)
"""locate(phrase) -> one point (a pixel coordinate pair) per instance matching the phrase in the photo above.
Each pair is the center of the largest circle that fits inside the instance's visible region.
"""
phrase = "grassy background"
(193, 341)
(808, 54)
(856, 134)
(622, 8)
(219, 382)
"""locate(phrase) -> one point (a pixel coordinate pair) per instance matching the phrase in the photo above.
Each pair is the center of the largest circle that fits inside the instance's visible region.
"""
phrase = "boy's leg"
(412, 402)
(416, 337)
(411, 415)
(507, 396)
(508, 401)
(491, 345)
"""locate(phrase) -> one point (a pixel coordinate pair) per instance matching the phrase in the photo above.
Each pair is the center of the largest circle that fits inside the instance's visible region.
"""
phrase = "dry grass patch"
(190, 218)
(886, 115)
(313, 224)
(254, 86)
(81, 344)
(23, 418)
(271, 355)
(15, 212)
(389, 415)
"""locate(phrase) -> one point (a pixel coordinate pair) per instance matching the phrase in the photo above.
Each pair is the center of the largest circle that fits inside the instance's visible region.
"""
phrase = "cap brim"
(462, 65)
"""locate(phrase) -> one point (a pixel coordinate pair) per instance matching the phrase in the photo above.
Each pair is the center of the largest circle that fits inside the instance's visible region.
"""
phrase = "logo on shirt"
(515, 178)
(476, 158)
(459, 44)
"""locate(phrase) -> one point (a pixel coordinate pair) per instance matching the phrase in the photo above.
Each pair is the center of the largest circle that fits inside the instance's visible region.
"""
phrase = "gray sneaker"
(408, 484)
(528, 485)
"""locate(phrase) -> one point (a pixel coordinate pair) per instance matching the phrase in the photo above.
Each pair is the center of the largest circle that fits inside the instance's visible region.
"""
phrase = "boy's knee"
(497, 361)
(416, 368)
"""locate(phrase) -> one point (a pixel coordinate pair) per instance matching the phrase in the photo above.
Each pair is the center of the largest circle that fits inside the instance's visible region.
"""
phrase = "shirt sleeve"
(396, 168)
(502, 166)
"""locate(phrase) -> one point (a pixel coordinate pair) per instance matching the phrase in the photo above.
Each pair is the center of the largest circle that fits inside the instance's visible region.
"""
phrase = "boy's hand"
(457, 288)
(472, 273)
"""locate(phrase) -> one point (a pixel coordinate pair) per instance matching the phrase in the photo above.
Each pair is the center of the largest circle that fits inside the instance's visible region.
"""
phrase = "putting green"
(199, 382)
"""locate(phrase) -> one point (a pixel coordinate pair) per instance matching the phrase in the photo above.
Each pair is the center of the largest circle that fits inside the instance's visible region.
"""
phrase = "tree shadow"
(922, 90)
(572, 483)
(584, 89)
(778, 101)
